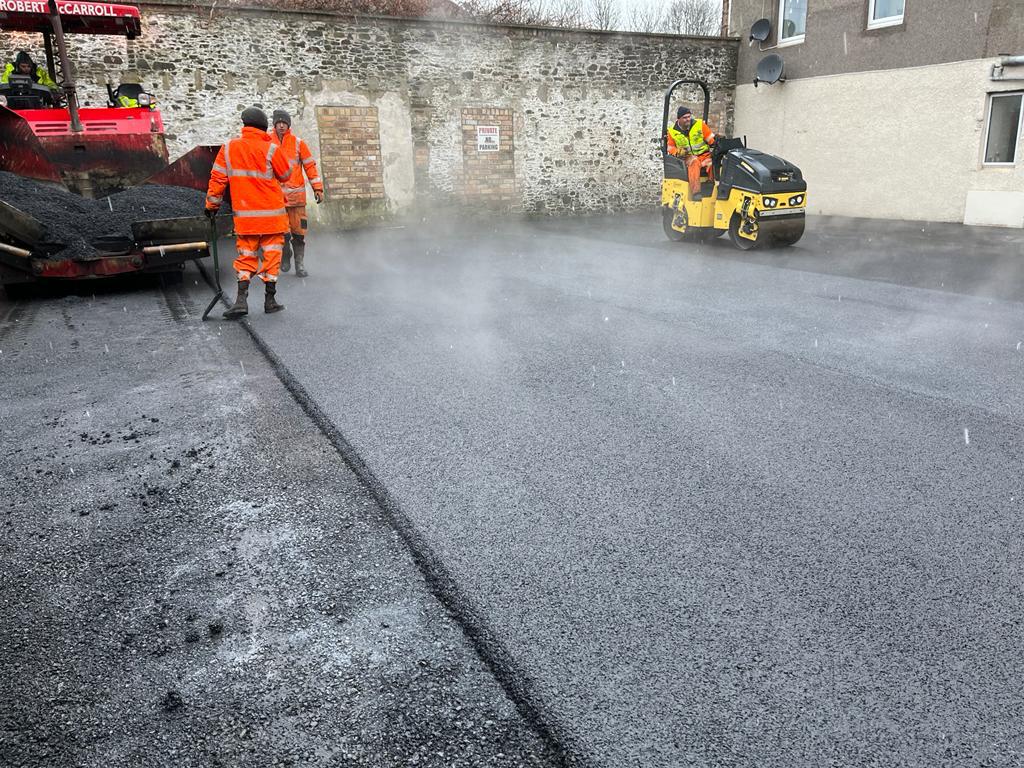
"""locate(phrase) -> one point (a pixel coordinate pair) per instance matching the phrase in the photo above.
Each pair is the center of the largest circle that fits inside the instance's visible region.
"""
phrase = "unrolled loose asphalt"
(715, 508)
(192, 577)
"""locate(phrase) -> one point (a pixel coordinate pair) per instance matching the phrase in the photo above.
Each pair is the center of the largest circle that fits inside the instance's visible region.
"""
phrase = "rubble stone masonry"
(390, 107)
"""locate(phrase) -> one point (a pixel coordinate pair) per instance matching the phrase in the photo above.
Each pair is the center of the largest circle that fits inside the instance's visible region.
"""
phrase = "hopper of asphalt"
(72, 222)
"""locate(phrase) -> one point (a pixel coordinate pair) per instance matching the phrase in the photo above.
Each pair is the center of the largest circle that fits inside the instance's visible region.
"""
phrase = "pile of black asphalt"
(73, 223)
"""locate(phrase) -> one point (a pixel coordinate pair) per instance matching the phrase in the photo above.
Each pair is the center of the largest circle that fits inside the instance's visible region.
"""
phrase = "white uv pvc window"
(1003, 132)
(885, 13)
(792, 21)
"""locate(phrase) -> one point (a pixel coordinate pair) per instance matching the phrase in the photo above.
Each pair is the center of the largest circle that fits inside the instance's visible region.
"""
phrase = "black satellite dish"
(760, 30)
(769, 70)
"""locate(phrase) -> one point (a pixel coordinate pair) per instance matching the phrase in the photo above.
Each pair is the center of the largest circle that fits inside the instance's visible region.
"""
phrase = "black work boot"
(299, 246)
(241, 306)
(270, 300)
(286, 256)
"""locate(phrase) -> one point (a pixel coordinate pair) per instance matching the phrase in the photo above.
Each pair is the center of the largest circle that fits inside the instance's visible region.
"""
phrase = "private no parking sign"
(487, 138)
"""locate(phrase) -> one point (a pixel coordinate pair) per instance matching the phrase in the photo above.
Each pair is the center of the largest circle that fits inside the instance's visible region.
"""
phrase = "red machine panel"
(20, 150)
(76, 17)
(116, 150)
(108, 120)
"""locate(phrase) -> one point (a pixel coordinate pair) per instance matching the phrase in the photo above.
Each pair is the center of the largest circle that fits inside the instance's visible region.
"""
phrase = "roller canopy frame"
(668, 101)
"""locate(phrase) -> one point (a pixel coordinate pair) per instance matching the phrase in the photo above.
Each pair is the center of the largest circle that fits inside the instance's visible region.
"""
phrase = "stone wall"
(578, 111)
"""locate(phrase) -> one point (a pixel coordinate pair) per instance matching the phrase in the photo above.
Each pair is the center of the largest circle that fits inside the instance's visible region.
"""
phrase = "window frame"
(992, 96)
(888, 21)
(781, 41)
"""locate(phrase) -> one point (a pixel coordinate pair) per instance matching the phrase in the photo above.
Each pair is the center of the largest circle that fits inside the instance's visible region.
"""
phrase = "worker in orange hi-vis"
(298, 154)
(692, 140)
(253, 167)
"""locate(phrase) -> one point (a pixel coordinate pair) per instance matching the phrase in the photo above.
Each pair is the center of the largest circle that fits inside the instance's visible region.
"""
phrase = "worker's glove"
(210, 213)
(319, 196)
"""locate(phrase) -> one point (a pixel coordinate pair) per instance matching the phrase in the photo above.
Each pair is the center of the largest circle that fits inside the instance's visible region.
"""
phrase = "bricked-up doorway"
(350, 160)
(488, 155)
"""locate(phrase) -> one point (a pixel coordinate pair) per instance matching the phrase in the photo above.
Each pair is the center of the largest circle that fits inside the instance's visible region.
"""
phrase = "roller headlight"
(770, 202)
(145, 99)
(796, 200)
(3, 101)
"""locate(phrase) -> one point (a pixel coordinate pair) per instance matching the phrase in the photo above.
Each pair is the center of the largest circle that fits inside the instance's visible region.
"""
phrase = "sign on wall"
(487, 138)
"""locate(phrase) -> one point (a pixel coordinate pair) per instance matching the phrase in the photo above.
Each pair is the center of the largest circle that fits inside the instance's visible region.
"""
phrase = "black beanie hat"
(23, 58)
(280, 116)
(683, 111)
(255, 117)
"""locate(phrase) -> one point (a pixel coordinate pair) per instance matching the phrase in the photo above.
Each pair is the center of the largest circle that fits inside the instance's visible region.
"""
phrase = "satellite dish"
(760, 30)
(769, 70)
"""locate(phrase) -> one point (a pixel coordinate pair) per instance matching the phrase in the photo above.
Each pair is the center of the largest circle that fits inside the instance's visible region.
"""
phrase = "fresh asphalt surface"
(192, 577)
(719, 508)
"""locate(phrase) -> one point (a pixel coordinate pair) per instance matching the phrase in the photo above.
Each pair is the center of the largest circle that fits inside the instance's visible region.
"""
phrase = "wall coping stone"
(222, 10)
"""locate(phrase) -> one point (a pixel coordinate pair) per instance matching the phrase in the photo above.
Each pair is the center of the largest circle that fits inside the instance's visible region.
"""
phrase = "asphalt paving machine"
(48, 135)
(759, 199)
(92, 150)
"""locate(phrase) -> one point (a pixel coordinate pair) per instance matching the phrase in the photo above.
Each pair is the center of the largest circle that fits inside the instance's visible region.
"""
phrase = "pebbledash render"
(393, 108)
(901, 109)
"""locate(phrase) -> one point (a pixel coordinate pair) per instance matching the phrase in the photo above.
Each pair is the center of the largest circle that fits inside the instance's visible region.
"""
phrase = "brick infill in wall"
(488, 175)
(350, 158)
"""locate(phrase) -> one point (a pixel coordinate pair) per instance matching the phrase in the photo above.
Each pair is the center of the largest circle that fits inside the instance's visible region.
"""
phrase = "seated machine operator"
(692, 140)
(23, 65)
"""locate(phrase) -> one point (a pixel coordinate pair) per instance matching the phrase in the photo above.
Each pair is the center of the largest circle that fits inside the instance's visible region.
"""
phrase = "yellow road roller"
(759, 199)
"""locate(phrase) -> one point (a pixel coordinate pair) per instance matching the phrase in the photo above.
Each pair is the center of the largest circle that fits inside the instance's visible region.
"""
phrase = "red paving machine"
(47, 136)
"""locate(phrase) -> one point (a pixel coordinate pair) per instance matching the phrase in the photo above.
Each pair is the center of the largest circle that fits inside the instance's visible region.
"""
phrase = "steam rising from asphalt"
(452, 284)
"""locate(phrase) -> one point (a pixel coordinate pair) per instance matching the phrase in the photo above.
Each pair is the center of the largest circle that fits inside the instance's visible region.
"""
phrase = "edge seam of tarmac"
(518, 686)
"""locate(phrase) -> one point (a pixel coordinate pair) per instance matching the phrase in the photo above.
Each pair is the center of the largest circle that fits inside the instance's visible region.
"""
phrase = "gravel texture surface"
(74, 222)
(192, 577)
(723, 509)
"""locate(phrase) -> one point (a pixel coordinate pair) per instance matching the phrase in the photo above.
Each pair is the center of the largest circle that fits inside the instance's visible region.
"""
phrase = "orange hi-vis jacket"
(298, 154)
(255, 170)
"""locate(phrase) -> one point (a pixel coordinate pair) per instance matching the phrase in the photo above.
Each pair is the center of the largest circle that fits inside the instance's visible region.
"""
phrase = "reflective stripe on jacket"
(697, 142)
(297, 152)
(40, 76)
(255, 170)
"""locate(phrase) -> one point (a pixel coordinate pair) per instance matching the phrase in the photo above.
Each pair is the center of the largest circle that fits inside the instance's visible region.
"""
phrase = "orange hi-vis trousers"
(694, 164)
(249, 247)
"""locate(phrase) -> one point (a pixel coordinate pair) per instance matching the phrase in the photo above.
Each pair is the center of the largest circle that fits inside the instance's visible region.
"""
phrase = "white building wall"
(896, 144)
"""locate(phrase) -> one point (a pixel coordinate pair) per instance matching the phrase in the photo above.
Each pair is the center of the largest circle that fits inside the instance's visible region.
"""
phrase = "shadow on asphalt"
(109, 286)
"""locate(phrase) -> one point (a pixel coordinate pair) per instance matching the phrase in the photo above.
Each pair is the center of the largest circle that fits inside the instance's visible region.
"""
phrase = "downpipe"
(1007, 61)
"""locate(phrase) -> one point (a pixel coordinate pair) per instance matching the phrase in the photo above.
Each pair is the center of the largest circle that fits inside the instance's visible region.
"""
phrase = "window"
(885, 13)
(792, 21)
(1003, 128)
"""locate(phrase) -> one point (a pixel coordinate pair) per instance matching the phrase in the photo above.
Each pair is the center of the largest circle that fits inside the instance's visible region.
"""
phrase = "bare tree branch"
(550, 13)
(604, 14)
(401, 8)
(647, 16)
(694, 17)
